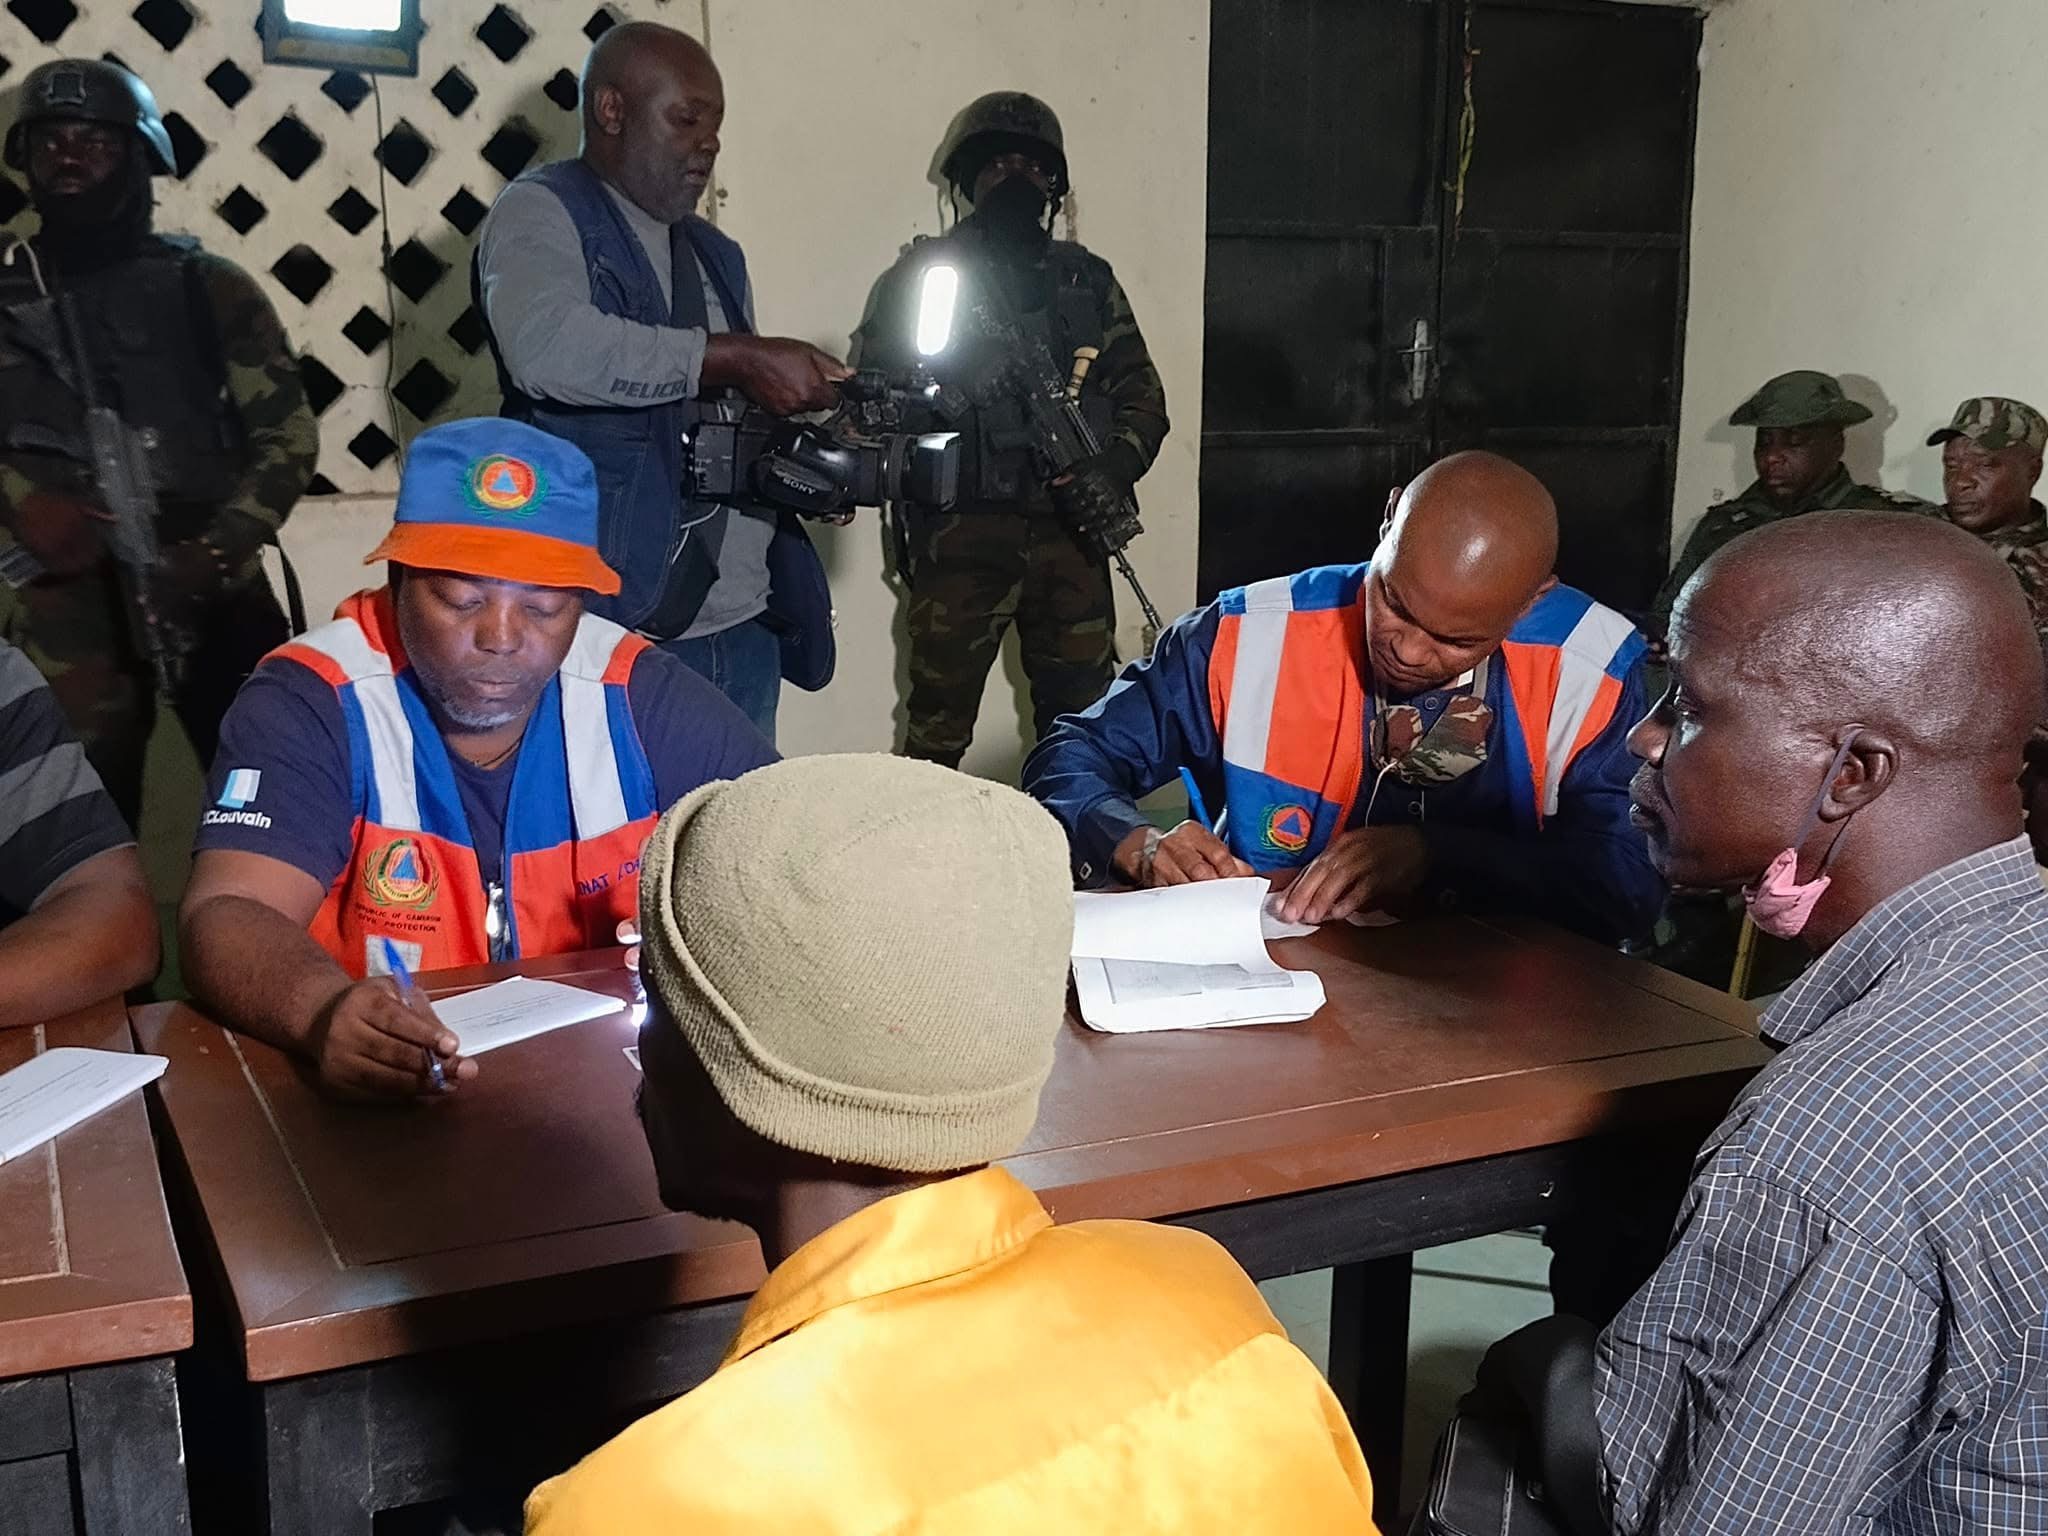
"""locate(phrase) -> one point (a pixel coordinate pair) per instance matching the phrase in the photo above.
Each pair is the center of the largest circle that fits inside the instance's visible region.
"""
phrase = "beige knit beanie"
(868, 954)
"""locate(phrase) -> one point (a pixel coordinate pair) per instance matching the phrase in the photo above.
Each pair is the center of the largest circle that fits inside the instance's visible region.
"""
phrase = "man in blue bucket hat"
(460, 768)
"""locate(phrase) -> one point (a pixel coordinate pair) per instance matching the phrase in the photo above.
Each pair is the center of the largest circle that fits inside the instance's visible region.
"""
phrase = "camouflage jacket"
(264, 386)
(1728, 520)
(2025, 548)
(1123, 374)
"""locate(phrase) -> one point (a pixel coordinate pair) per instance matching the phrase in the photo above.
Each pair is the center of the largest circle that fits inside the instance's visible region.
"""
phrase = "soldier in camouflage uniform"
(1015, 549)
(1799, 419)
(1990, 463)
(184, 346)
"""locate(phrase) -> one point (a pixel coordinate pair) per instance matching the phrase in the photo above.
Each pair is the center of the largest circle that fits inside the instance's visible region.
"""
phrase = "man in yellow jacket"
(929, 1351)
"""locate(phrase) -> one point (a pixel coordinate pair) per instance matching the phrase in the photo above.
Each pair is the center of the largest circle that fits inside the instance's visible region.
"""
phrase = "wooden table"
(93, 1305)
(429, 1294)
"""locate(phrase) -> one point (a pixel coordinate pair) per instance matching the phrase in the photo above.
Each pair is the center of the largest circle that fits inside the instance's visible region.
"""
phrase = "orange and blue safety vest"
(581, 806)
(1265, 696)
(1289, 692)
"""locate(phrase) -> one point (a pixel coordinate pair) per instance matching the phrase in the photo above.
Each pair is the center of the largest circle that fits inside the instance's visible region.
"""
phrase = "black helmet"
(91, 91)
(995, 124)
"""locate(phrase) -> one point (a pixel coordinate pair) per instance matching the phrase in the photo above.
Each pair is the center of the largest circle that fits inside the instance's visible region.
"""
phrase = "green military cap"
(1993, 422)
(1803, 398)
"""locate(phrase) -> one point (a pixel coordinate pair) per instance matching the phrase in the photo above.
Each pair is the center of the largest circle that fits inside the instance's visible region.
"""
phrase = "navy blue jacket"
(1587, 869)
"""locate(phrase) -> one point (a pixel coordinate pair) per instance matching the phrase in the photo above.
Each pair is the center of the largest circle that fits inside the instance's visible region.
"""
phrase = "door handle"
(1418, 352)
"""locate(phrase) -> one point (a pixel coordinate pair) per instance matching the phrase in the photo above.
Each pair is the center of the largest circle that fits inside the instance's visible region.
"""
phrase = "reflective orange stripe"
(317, 662)
(1532, 672)
(1318, 736)
(1222, 665)
(573, 896)
(1597, 718)
(620, 667)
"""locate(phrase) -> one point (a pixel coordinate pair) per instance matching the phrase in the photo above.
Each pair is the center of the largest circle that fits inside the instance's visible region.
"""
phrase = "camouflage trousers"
(977, 572)
(77, 631)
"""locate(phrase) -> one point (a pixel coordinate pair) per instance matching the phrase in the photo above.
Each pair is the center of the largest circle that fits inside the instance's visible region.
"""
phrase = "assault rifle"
(120, 468)
(1062, 435)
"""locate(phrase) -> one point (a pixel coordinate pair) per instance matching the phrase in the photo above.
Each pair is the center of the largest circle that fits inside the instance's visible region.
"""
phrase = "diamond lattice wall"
(278, 171)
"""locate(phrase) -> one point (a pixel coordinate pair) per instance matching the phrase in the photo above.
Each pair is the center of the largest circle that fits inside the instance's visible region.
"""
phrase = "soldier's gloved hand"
(189, 579)
(233, 538)
(1094, 505)
(61, 531)
(190, 573)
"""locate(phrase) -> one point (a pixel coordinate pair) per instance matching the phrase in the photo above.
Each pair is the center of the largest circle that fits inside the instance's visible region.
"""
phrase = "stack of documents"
(518, 1009)
(1183, 957)
(47, 1096)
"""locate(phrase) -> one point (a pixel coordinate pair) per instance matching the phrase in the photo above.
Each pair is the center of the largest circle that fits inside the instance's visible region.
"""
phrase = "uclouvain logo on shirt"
(235, 797)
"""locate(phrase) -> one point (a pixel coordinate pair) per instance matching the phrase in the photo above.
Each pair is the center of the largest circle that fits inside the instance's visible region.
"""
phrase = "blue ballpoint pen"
(395, 963)
(1195, 807)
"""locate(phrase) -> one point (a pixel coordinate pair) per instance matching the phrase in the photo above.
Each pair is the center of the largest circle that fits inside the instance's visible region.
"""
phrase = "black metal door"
(1545, 150)
(1325, 133)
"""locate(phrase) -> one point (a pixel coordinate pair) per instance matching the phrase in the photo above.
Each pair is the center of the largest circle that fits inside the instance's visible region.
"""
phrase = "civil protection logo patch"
(500, 483)
(399, 875)
(1288, 828)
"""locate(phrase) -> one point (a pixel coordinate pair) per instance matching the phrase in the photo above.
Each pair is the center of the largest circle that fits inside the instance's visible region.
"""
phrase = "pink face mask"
(1781, 903)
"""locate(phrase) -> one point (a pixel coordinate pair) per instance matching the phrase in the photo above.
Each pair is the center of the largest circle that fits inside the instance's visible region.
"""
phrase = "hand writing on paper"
(371, 1044)
(1149, 857)
(1365, 867)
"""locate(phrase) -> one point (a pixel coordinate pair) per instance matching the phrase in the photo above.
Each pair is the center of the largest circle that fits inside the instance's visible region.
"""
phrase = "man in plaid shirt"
(1850, 1332)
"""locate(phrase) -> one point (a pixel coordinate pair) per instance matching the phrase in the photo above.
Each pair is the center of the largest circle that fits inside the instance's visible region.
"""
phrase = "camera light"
(935, 309)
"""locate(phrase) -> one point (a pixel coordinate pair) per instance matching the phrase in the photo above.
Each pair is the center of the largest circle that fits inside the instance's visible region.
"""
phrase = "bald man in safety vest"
(1441, 728)
(461, 768)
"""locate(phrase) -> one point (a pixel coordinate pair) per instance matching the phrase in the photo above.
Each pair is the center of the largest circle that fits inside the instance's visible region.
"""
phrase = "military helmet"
(998, 122)
(92, 91)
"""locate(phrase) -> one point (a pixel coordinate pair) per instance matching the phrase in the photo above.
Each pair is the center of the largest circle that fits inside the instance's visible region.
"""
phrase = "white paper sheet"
(1183, 957)
(66, 1084)
(518, 1009)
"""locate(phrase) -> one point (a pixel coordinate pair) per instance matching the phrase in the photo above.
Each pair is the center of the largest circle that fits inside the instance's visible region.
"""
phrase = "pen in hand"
(395, 963)
(1196, 808)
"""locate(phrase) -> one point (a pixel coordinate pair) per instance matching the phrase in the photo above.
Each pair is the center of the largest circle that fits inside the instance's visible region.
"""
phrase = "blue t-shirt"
(280, 785)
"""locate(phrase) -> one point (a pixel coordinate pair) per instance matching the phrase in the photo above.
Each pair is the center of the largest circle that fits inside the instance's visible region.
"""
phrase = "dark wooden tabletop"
(88, 1271)
(351, 1233)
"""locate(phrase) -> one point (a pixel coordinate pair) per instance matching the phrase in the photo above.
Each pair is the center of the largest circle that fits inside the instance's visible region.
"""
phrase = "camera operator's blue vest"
(638, 449)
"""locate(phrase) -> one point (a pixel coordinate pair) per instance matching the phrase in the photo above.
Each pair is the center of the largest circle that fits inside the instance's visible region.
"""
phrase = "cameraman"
(612, 308)
(1017, 549)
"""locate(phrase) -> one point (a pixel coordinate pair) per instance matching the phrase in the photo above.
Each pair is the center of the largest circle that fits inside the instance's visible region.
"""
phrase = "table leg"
(131, 1451)
(316, 1435)
(1369, 1365)
(35, 1496)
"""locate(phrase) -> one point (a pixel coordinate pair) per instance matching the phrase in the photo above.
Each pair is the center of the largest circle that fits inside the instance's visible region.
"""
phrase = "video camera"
(855, 457)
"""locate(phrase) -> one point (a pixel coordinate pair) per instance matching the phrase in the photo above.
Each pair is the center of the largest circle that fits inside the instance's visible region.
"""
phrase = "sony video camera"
(855, 457)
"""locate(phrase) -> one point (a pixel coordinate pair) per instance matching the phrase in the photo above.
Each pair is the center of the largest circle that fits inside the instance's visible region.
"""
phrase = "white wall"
(834, 111)
(1868, 201)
